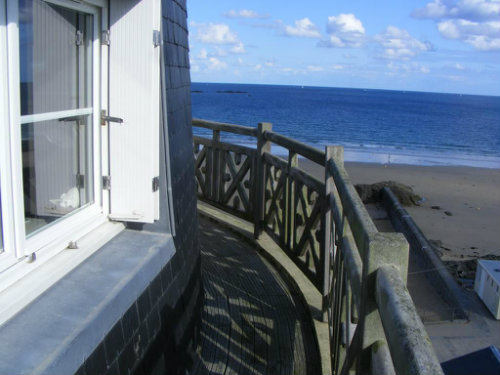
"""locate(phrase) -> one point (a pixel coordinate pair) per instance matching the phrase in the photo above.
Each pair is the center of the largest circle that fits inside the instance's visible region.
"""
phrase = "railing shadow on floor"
(251, 322)
(325, 229)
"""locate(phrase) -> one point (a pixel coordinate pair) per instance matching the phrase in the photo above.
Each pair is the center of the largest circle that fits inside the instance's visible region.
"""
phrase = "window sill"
(25, 281)
(60, 329)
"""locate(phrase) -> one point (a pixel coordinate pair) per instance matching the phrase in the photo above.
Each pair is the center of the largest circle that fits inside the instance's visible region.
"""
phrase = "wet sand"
(467, 221)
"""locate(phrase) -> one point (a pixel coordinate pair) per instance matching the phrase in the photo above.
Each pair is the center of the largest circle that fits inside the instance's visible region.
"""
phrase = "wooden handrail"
(229, 128)
(406, 335)
(300, 148)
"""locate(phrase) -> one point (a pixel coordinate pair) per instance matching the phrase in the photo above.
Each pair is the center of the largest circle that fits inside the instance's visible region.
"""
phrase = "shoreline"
(382, 154)
(470, 196)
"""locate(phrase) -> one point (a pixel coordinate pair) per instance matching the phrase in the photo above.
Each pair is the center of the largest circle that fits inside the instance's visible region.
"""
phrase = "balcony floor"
(252, 321)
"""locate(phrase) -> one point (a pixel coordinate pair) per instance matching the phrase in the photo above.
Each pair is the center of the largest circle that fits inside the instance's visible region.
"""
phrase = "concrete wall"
(420, 247)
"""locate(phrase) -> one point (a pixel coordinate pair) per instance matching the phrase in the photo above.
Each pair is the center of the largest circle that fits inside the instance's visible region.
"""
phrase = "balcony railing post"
(328, 230)
(381, 249)
(216, 167)
(289, 209)
(263, 146)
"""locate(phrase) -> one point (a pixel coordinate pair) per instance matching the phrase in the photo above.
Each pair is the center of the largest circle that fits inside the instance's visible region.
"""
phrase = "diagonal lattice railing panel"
(306, 227)
(236, 180)
(202, 154)
(225, 175)
(274, 197)
(293, 214)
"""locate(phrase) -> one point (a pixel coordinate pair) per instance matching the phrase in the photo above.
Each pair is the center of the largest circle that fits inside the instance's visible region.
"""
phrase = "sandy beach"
(467, 221)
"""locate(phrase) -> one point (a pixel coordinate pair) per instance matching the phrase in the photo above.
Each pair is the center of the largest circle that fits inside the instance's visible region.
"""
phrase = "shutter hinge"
(106, 182)
(156, 38)
(105, 40)
(156, 183)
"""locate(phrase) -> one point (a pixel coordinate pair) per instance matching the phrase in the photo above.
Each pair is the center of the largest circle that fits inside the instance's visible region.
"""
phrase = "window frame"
(4, 118)
(25, 276)
(49, 241)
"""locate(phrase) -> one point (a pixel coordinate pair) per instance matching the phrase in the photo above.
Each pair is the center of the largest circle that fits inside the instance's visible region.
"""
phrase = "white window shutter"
(134, 96)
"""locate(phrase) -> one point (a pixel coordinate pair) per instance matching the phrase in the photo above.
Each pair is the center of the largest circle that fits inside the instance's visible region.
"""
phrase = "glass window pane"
(56, 75)
(57, 173)
(52, 48)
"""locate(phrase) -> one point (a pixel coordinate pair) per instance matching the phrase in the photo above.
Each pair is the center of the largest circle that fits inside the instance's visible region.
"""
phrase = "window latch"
(105, 118)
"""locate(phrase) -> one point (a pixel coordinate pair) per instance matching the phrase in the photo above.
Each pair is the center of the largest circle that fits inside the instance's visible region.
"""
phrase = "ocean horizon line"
(348, 88)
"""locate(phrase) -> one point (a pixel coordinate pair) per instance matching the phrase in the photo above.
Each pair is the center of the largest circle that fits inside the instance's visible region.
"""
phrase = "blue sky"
(437, 45)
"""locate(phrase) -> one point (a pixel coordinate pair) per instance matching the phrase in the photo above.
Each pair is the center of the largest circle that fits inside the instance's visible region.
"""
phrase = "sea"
(376, 126)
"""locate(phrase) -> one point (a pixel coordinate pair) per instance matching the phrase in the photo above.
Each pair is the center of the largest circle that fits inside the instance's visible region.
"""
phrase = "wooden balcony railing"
(325, 229)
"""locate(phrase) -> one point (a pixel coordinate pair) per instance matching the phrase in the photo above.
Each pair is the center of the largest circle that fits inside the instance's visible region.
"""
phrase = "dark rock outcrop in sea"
(231, 92)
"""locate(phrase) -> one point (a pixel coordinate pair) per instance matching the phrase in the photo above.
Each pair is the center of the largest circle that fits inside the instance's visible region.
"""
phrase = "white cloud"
(399, 44)
(315, 68)
(193, 65)
(481, 35)
(474, 10)
(245, 13)
(405, 68)
(475, 22)
(216, 64)
(271, 25)
(344, 23)
(433, 10)
(203, 54)
(303, 28)
(216, 33)
(459, 66)
(238, 48)
(454, 78)
(221, 35)
(219, 51)
(344, 30)
(288, 70)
